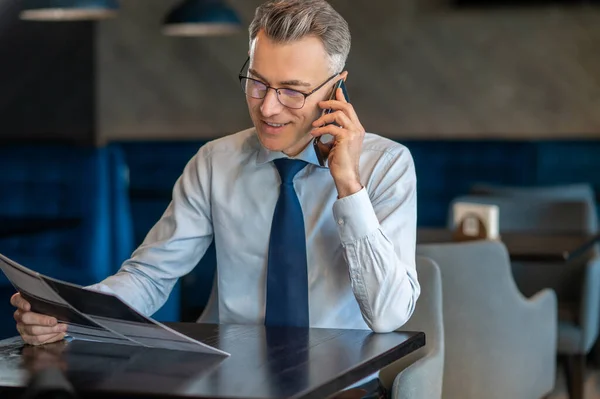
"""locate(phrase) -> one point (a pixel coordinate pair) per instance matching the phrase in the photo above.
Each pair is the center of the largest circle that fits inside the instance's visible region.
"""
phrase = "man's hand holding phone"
(348, 136)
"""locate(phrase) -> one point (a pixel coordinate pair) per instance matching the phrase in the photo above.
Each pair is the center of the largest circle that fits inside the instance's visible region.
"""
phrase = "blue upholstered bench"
(68, 210)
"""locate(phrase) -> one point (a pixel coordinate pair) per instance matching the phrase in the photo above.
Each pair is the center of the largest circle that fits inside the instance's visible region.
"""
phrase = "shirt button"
(340, 222)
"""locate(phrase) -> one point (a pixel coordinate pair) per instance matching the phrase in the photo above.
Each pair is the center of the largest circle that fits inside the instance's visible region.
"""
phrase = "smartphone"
(324, 143)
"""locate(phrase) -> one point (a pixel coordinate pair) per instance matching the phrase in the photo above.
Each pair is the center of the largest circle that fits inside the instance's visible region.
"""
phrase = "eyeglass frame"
(313, 91)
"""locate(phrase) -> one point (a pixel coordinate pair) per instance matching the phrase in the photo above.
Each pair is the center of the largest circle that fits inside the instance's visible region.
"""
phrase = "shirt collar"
(308, 154)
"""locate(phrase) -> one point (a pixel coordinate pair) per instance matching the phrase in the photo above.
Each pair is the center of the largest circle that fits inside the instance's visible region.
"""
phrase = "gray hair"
(285, 21)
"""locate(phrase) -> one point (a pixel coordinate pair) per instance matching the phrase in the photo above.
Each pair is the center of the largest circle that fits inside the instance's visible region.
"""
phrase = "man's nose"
(270, 105)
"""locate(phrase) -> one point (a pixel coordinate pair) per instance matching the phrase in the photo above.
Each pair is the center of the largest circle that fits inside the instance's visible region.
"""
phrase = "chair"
(420, 374)
(498, 344)
(579, 191)
(576, 282)
(576, 191)
(210, 314)
(517, 214)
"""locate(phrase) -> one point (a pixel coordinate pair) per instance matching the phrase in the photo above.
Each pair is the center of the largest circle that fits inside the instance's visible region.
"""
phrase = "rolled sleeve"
(355, 216)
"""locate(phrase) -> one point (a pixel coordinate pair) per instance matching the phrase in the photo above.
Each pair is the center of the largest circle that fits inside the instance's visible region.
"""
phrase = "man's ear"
(344, 75)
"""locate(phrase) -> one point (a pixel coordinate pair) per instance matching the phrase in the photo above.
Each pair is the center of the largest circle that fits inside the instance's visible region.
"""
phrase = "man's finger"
(339, 95)
(14, 299)
(17, 301)
(38, 319)
(349, 109)
(42, 330)
(335, 117)
(334, 130)
(344, 107)
(337, 106)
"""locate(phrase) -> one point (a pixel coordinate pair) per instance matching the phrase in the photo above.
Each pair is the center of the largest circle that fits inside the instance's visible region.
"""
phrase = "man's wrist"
(347, 188)
(355, 217)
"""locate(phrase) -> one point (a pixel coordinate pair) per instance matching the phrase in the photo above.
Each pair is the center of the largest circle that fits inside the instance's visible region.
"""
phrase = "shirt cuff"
(355, 216)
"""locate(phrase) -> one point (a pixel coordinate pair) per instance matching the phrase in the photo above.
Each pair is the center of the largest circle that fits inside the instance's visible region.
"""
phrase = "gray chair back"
(498, 344)
(420, 374)
(577, 191)
(210, 314)
(521, 214)
(579, 305)
(560, 192)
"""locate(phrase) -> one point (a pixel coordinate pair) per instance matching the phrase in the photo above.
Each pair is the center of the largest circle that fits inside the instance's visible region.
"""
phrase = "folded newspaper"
(95, 316)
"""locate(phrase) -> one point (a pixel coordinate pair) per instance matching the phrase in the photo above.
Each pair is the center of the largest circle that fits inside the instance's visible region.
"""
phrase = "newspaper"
(95, 316)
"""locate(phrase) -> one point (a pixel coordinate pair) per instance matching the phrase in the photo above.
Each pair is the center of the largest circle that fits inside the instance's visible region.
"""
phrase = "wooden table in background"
(522, 246)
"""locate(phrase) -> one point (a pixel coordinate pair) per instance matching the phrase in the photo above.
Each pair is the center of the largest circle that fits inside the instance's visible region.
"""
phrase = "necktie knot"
(288, 168)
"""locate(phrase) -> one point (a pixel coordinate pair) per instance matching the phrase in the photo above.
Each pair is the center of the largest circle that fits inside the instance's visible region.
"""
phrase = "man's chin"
(274, 147)
(272, 143)
(282, 143)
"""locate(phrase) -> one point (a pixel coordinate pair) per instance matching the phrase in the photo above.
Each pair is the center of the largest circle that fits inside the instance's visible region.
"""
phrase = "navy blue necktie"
(287, 277)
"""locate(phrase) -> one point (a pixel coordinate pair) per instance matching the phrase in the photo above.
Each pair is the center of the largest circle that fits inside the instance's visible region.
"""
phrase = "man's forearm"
(382, 275)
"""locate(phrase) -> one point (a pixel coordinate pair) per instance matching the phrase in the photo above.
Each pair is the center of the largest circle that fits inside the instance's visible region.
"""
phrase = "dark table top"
(19, 226)
(522, 246)
(264, 363)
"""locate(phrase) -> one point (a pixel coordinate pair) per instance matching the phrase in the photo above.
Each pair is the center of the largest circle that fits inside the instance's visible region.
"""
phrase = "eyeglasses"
(288, 97)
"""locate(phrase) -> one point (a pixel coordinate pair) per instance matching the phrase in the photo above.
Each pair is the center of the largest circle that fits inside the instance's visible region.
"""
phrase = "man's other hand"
(35, 328)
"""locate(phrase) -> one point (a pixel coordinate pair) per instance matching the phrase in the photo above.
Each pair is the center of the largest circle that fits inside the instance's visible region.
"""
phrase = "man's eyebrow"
(284, 83)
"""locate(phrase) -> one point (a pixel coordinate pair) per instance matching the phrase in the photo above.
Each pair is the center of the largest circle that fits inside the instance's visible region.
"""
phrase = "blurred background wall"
(449, 70)
(47, 79)
(418, 69)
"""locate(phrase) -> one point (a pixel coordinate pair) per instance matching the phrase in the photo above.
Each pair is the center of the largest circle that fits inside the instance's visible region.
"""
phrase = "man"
(297, 243)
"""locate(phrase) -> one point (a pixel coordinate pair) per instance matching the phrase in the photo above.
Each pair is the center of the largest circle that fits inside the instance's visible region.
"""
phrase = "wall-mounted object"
(68, 10)
(201, 18)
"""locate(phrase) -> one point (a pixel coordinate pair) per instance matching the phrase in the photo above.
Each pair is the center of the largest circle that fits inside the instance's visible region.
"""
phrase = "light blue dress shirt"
(360, 249)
